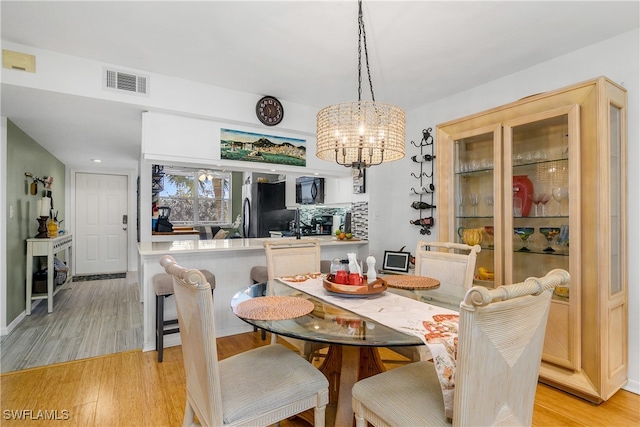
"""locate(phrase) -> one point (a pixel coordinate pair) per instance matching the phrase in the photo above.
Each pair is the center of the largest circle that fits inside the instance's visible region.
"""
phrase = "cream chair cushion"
(272, 385)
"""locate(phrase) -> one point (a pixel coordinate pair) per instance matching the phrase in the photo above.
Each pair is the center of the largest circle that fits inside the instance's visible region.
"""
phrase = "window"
(198, 197)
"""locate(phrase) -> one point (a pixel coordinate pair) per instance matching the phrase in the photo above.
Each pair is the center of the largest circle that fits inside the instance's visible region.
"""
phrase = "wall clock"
(269, 111)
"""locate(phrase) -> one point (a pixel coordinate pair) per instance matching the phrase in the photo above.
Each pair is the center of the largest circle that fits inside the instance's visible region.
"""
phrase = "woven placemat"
(411, 282)
(273, 308)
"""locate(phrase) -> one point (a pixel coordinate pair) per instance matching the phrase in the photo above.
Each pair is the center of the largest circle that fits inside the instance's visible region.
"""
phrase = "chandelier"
(363, 133)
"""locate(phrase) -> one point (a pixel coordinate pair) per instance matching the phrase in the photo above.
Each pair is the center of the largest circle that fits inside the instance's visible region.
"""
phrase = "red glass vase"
(523, 190)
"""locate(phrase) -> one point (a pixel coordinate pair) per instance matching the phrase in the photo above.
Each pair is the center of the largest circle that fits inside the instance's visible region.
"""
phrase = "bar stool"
(163, 287)
(259, 274)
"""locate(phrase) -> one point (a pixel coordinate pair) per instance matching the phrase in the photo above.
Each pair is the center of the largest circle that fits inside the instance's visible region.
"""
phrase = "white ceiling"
(300, 51)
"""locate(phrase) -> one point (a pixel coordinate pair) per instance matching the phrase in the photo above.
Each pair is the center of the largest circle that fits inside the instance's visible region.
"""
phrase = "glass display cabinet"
(541, 184)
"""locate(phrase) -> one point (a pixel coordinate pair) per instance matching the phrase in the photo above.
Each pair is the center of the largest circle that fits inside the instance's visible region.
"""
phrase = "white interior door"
(102, 227)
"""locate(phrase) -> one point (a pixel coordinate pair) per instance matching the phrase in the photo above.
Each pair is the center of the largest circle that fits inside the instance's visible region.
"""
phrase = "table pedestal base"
(343, 366)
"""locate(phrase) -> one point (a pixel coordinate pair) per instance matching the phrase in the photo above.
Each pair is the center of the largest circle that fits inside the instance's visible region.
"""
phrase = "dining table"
(353, 326)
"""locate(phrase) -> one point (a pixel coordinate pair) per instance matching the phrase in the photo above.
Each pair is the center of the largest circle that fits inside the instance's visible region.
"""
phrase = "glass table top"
(327, 323)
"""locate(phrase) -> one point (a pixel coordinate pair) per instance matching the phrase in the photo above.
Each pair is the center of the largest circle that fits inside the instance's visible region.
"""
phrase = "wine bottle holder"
(425, 204)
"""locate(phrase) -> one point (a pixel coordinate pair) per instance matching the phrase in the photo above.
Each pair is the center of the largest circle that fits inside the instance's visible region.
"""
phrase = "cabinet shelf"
(541, 252)
(545, 162)
(531, 252)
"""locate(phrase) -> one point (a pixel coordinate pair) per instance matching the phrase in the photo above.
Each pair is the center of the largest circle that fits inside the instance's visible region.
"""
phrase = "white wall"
(83, 77)
(617, 58)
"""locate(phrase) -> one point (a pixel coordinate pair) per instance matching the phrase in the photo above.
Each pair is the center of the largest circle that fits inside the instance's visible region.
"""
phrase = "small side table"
(48, 248)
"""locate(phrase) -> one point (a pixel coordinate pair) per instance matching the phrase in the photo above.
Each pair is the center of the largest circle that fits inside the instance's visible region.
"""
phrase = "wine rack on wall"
(424, 205)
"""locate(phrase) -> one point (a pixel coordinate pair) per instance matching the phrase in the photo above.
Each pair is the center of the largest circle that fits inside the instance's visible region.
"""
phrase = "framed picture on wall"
(359, 180)
(262, 148)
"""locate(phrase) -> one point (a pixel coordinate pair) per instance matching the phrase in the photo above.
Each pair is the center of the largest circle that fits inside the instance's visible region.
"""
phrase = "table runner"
(436, 326)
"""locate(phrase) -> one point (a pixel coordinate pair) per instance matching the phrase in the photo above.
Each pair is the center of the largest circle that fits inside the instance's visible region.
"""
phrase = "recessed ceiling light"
(96, 160)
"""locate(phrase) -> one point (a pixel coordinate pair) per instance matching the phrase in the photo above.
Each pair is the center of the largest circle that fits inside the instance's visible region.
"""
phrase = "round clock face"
(269, 111)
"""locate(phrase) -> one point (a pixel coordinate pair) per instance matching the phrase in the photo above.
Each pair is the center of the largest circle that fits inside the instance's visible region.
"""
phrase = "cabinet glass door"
(542, 211)
(475, 163)
(539, 212)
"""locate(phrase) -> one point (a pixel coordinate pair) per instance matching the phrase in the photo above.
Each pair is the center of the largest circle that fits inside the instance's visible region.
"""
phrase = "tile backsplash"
(359, 216)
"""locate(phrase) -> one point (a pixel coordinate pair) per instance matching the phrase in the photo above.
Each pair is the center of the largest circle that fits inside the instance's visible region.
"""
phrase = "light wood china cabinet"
(545, 178)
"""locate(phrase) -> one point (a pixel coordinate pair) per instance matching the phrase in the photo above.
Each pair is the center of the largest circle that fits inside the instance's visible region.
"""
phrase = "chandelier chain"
(362, 39)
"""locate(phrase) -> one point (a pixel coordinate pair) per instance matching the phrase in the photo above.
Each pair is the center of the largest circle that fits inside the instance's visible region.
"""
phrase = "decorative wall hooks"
(46, 181)
(422, 174)
(427, 139)
(426, 189)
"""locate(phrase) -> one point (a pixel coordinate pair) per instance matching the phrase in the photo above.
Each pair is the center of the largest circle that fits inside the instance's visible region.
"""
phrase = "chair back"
(501, 335)
(287, 257)
(453, 264)
(197, 332)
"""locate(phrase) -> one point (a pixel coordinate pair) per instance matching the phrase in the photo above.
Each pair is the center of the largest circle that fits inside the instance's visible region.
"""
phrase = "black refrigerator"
(263, 209)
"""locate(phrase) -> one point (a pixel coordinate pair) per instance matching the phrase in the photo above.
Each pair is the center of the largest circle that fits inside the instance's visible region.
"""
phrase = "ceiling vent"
(121, 81)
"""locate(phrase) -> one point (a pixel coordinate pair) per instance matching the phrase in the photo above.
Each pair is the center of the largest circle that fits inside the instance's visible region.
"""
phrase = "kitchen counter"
(230, 260)
(230, 245)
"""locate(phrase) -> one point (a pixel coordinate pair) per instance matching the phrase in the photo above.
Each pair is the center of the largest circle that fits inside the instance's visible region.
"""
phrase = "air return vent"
(122, 81)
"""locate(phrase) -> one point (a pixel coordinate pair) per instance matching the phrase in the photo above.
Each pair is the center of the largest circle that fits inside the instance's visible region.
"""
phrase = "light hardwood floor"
(133, 389)
(89, 318)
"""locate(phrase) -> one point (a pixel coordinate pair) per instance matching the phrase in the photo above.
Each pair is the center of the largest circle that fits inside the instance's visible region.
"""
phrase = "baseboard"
(632, 386)
(109, 276)
(10, 327)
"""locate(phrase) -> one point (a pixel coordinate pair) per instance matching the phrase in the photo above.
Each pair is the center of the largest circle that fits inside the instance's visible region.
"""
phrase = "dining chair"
(290, 257)
(500, 338)
(256, 388)
(453, 264)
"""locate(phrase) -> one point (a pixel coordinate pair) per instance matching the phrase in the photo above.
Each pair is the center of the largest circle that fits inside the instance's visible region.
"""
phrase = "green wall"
(236, 194)
(26, 155)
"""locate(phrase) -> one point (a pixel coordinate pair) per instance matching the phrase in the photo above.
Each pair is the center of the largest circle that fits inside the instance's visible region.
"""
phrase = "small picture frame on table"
(359, 180)
(396, 261)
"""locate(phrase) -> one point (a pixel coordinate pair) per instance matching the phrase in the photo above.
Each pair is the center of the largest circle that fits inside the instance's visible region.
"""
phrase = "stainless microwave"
(309, 190)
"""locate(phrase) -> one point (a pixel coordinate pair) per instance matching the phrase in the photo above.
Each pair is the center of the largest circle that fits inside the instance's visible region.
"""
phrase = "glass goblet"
(549, 233)
(489, 200)
(536, 199)
(545, 197)
(473, 200)
(560, 194)
(462, 201)
(524, 233)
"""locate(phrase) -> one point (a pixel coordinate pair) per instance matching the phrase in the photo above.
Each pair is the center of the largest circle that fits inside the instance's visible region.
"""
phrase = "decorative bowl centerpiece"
(376, 287)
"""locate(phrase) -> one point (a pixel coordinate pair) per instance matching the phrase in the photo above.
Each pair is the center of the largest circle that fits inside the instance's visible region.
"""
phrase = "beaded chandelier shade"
(363, 133)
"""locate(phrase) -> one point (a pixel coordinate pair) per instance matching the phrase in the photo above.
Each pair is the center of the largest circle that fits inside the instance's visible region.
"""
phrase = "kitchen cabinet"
(545, 179)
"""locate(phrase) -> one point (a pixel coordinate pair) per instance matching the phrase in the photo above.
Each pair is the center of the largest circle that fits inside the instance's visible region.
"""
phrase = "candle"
(46, 206)
(38, 207)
